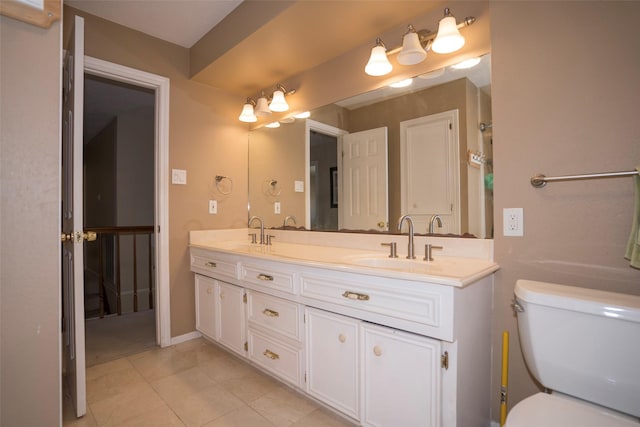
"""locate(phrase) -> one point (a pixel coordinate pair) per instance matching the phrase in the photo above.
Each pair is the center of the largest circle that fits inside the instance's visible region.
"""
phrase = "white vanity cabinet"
(220, 312)
(382, 348)
(401, 378)
(275, 336)
(206, 289)
(231, 321)
(333, 373)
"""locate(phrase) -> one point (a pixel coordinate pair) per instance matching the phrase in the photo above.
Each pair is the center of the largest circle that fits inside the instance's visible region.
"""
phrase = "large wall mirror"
(363, 162)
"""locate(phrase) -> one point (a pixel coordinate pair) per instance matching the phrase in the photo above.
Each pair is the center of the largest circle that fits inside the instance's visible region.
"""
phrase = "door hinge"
(244, 298)
(246, 346)
(450, 126)
(444, 360)
(305, 377)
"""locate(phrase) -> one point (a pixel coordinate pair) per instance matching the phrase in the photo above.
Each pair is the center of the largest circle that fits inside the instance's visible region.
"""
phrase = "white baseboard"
(186, 337)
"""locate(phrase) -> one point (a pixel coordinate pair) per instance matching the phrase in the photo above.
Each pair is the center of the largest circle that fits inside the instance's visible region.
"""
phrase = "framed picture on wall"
(333, 176)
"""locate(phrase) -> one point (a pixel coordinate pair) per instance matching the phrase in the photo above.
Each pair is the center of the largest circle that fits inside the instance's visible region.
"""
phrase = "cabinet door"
(205, 306)
(231, 317)
(332, 360)
(401, 378)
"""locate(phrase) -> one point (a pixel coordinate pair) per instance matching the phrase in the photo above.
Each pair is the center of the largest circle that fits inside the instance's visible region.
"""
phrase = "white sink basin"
(440, 266)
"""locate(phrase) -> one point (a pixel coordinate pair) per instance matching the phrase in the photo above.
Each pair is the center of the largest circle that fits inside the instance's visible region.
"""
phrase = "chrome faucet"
(433, 219)
(261, 227)
(410, 247)
(287, 218)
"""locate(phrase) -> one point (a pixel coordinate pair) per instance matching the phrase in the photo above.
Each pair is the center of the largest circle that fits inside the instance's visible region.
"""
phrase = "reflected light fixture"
(449, 38)
(247, 115)
(262, 107)
(416, 44)
(467, 63)
(303, 115)
(273, 125)
(401, 83)
(412, 49)
(378, 64)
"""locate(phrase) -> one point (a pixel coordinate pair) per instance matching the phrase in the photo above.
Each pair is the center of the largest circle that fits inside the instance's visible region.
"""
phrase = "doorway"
(156, 88)
(119, 200)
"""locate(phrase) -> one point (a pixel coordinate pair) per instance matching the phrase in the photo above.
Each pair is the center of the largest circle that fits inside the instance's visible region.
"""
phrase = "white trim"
(186, 337)
(160, 85)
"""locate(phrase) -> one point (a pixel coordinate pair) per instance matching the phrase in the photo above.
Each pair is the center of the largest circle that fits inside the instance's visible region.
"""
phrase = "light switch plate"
(179, 176)
(276, 208)
(299, 186)
(213, 206)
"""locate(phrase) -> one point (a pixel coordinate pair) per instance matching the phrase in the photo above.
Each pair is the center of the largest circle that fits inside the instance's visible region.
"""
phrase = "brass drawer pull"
(356, 296)
(265, 277)
(271, 355)
(270, 313)
(210, 264)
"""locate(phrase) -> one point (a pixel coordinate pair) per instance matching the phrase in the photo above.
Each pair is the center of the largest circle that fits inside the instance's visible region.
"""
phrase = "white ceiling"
(182, 22)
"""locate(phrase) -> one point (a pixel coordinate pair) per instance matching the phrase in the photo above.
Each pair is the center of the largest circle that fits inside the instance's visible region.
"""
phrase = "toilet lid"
(552, 410)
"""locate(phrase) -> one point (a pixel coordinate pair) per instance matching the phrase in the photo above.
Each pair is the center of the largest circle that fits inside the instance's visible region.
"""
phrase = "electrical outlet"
(276, 207)
(513, 222)
(213, 206)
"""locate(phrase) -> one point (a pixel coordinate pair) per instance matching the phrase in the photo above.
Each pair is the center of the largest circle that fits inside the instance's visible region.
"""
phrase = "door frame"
(327, 130)
(160, 85)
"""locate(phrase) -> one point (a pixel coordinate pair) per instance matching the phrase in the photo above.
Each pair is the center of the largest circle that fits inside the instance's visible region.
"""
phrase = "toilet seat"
(552, 410)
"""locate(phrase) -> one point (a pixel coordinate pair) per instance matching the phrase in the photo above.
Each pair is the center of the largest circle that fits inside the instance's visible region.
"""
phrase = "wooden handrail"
(117, 232)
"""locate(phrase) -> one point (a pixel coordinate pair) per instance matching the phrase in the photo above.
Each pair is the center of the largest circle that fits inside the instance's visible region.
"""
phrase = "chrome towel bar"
(540, 180)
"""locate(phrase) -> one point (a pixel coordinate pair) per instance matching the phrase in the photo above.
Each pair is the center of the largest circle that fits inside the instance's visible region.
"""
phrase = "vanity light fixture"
(247, 115)
(378, 64)
(278, 103)
(449, 38)
(416, 44)
(412, 49)
(262, 107)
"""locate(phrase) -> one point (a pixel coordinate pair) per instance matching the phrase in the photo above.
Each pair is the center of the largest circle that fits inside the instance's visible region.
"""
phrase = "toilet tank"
(582, 342)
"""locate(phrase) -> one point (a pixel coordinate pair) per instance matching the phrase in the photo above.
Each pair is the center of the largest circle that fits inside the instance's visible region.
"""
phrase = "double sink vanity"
(383, 341)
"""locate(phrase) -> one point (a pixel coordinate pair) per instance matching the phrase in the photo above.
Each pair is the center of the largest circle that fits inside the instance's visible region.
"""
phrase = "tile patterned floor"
(192, 384)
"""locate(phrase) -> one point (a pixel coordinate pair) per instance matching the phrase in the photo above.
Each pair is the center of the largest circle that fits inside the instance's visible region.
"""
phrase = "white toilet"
(584, 346)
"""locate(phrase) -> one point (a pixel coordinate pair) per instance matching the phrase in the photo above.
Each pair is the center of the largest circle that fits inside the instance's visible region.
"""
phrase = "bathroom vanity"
(384, 341)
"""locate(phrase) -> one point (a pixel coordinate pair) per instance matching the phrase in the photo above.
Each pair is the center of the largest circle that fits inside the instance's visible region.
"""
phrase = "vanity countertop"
(447, 268)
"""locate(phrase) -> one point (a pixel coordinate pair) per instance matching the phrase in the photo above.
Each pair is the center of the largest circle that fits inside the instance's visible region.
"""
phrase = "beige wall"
(565, 101)
(30, 87)
(202, 140)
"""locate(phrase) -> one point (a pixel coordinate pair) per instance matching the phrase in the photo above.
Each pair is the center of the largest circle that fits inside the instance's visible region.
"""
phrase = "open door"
(364, 198)
(73, 235)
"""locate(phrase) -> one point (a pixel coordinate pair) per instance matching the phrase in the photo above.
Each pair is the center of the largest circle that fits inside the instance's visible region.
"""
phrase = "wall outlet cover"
(213, 206)
(513, 222)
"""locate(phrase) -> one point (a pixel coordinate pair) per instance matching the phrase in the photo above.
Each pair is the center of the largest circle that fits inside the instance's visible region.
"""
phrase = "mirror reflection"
(363, 162)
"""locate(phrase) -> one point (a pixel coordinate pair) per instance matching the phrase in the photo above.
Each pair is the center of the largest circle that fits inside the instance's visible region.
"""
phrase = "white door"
(363, 201)
(72, 224)
(429, 168)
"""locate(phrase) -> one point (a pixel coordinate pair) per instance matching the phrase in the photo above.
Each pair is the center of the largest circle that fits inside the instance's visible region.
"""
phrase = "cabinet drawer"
(214, 267)
(413, 303)
(275, 314)
(278, 358)
(265, 275)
